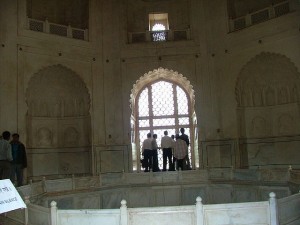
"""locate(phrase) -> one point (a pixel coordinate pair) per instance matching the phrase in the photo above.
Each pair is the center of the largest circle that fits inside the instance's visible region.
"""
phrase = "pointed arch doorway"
(162, 100)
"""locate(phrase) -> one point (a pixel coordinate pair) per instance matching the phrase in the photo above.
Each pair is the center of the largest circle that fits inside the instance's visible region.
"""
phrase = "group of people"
(175, 152)
(13, 158)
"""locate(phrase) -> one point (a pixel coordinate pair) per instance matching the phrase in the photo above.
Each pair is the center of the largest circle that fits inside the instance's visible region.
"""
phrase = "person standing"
(180, 152)
(166, 145)
(5, 156)
(173, 147)
(185, 137)
(19, 162)
(147, 152)
(155, 154)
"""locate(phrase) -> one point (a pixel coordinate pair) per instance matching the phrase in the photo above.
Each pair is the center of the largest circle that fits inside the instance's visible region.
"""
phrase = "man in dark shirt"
(184, 137)
(19, 160)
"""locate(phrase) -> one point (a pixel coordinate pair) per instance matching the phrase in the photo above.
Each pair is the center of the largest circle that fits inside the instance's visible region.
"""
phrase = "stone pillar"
(44, 184)
(123, 213)
(273, 209)
(69, 31)
(27, 202)
(53, 213)
(199, 211)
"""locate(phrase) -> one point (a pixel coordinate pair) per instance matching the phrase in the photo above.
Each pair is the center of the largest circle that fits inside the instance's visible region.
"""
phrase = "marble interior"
(71, 73)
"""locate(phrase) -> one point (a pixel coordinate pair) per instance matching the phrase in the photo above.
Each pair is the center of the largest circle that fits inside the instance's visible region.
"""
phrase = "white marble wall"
(213, 61)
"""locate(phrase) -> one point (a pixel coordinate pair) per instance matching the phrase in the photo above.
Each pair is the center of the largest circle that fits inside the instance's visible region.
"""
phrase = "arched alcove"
(266, 84)
(267, 94)
(174, 87)
(58, 122)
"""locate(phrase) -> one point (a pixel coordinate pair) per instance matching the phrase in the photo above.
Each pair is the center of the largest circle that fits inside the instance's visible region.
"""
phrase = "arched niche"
(57, 91)
(267, 95)
(58, 122)
(266, 85)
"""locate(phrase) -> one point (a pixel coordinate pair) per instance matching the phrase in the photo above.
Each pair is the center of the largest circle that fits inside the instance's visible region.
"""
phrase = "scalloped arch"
(166, 74)
(60, 70)
(266, 70)
(54, 86)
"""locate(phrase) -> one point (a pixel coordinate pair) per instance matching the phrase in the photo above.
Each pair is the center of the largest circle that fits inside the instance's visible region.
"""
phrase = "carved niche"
(44, 137)
(267, 85)
(57, 92)
(259, 126)
(58, 109)
(285, 124)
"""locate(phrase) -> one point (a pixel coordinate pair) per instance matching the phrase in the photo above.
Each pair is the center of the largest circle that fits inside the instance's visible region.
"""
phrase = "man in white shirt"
(5, 155)
(147, 152)
(180, 152)
(166, 145)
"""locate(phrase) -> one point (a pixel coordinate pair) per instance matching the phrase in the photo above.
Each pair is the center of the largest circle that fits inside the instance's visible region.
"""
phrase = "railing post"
(271, 10)
(199, 211)
(86, 34)
(258, 173)
(44, 184)
(123, 213)
(53, 213)
(248, 20)
(231, 25)
(123, 176)
(28, 22)
(273, 209)
(289, 173)
(69, 31)
(27, 202)
(100, 180)
(73, 182)
(47, 26)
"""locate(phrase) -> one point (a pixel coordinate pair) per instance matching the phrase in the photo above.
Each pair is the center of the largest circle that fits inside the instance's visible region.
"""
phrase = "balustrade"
(57, 29)
(262, 15)
(159, 36)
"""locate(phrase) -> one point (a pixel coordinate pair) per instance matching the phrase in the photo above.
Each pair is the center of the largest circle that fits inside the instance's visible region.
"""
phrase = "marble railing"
(288, 210)
(255, 212)
(154, 36)
(172, 177)
(295, 176)
(265, 213)
(273, 11)
(57, 29)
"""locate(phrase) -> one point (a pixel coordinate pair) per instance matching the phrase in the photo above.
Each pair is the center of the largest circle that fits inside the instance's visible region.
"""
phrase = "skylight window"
(158, 25)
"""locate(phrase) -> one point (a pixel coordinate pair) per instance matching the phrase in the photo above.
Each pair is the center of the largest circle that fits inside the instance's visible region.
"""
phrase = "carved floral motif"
(57, 92)
(265, 83)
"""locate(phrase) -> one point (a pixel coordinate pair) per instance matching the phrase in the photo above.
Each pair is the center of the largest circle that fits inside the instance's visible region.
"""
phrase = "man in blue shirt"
(19, 160)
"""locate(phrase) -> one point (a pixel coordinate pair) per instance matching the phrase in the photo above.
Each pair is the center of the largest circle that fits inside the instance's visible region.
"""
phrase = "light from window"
(158, 27)
(162, 106)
